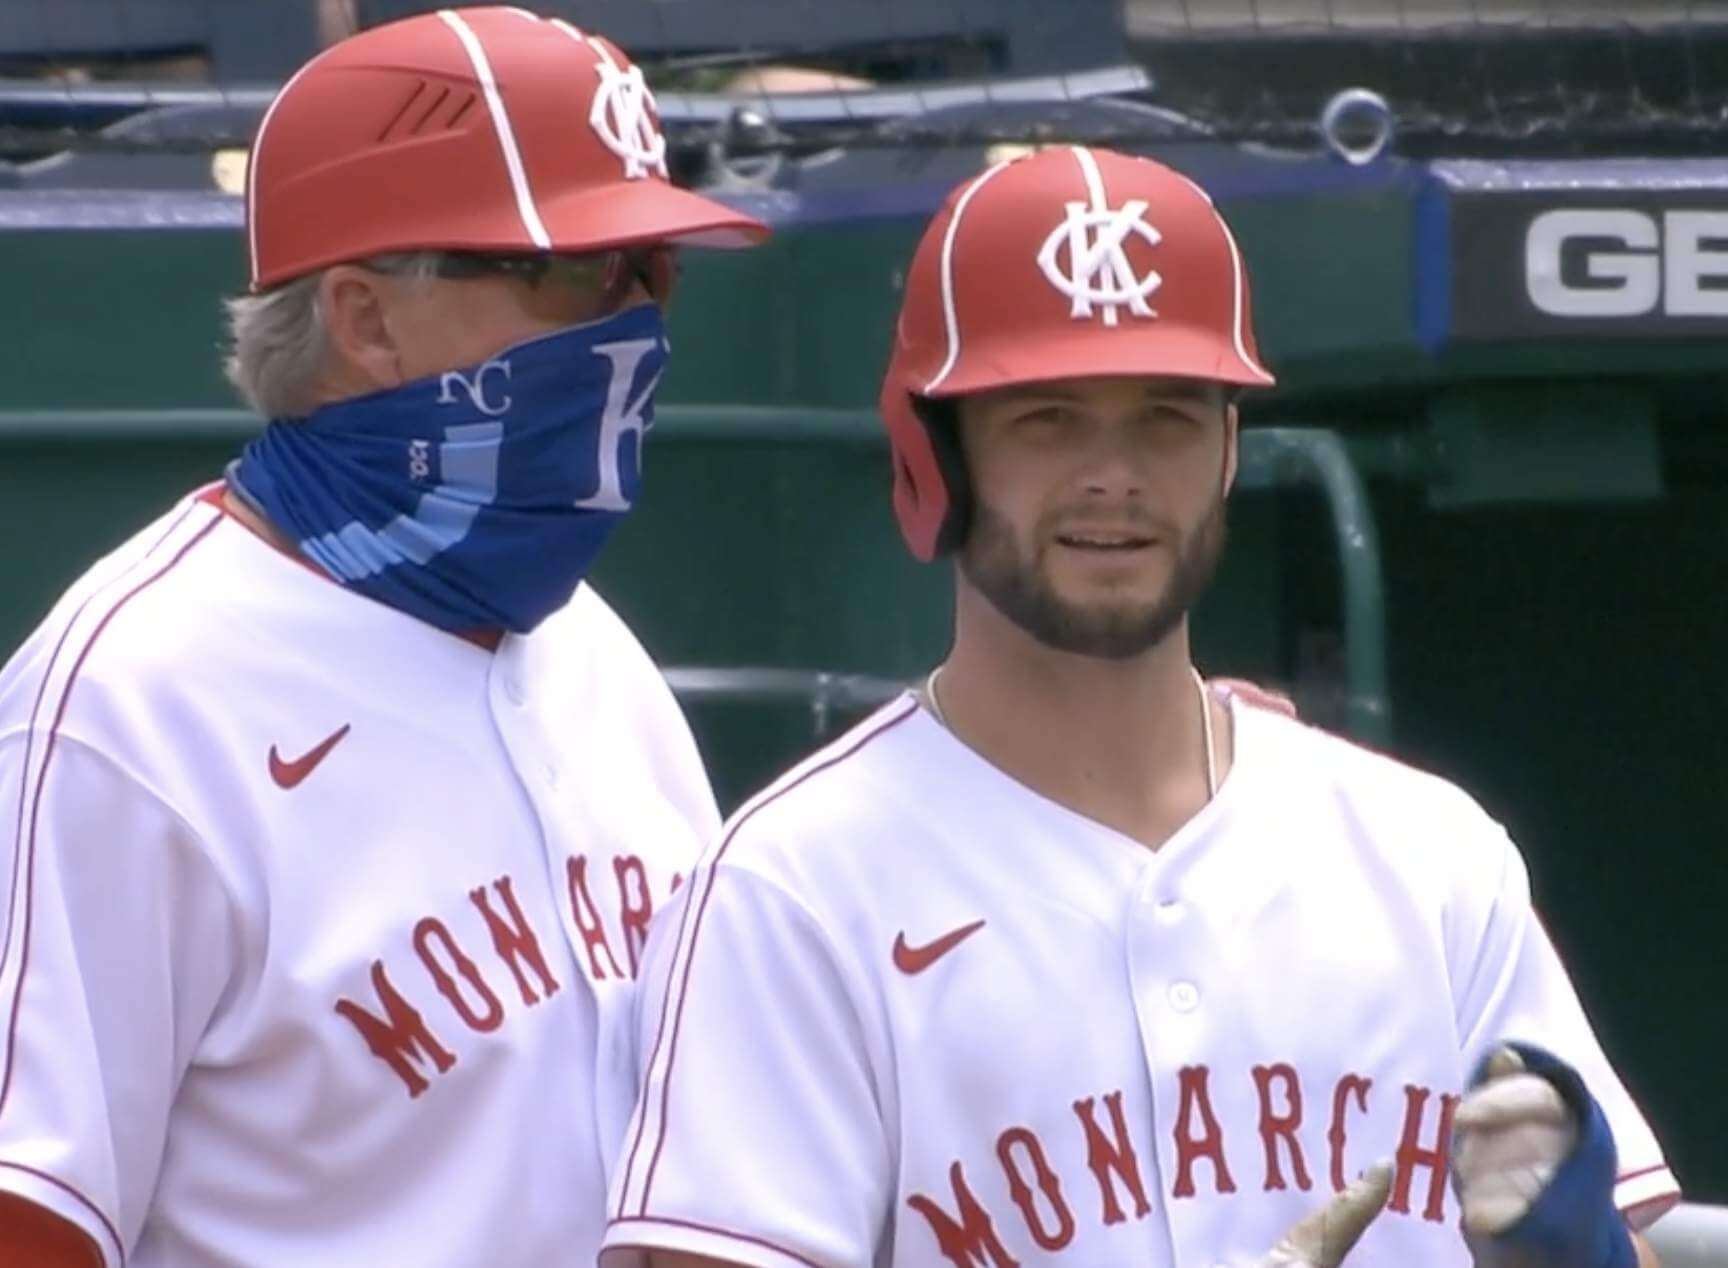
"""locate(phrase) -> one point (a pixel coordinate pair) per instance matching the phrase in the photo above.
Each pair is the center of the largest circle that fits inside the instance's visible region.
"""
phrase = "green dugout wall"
(1536, 604)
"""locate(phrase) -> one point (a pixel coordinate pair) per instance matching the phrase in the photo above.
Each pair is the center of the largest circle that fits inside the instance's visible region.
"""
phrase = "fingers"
(1510, 1102)
(1504, 1062)
(1326, 1237)
(1512, 1133)
(1502, 1169)
(1500, 1198)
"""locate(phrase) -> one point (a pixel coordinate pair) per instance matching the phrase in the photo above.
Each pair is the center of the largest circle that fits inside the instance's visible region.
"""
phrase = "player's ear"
(361, 346)
(1232, 439)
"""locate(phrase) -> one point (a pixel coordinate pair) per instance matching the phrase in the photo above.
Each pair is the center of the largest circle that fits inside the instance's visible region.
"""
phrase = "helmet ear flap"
(941, 419)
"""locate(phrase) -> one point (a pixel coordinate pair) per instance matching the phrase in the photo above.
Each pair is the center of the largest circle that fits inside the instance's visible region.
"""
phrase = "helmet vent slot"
(427, 108)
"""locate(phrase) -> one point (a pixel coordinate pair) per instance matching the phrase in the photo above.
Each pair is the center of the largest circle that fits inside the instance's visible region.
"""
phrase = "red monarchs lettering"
(514, 940)
(1280, 1126)
(1060, 1231)
(1112, 1159)
(968, 1239)
(587, 918)
(1195, 1102)
(400, 1038)
(635, 905)
(1351, 1085)
(1411, 1155)
(1034, 1173)
(432, 934)
(397, 1032)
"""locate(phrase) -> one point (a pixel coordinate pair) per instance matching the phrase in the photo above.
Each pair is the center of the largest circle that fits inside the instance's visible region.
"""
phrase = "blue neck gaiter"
(476, 499)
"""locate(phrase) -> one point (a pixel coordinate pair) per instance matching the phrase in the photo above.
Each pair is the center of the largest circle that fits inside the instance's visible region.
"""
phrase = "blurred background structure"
(1484, 521)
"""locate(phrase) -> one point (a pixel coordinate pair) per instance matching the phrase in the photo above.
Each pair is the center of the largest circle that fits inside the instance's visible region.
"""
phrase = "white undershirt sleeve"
(1518, 989)
(118, 944)
(758, 1139)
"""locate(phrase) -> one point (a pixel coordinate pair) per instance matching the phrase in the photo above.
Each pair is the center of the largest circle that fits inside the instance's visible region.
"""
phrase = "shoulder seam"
(816, 764)
(690, 924)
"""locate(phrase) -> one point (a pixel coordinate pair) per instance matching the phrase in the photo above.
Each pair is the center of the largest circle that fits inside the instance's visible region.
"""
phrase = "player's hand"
(1512, 1133)
(1254, 694)
(1325, 1237)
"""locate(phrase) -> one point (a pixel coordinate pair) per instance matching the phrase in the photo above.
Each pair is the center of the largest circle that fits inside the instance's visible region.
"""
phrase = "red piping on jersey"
(61, 1184)
(1642, 1171)
(727, 1233)
(695, 933)
(216, 495)
(36, 709)
(1657, 1203)
(42, 781)
(654, 1056)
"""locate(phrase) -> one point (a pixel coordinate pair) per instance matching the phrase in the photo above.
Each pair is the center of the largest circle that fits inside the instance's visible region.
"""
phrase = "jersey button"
(1169, 912)
(551, 775)
(1184, 997)
(513, 690)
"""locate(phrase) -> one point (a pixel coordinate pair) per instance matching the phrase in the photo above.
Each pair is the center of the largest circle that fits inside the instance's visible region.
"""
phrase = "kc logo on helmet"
(1099, 275)
(622, 117)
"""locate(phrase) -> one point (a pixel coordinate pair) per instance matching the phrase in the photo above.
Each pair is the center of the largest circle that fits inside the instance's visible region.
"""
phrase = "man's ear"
(364, 353)
(1232, 443)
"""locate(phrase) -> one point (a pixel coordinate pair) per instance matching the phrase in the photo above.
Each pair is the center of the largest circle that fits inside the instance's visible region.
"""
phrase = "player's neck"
(1119, 741)
(241, 511)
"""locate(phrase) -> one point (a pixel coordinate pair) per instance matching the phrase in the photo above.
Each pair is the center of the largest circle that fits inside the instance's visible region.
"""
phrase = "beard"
(1108, 629)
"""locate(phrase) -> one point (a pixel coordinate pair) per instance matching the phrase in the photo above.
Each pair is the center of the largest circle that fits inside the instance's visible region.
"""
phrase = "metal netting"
(1534, 78)
(76, 75)
(114, 78)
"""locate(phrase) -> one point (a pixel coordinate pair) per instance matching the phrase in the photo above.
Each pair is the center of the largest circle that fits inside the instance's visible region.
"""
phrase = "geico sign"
(1634, 263)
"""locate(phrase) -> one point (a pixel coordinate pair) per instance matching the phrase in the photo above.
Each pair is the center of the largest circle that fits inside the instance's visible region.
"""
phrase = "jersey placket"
(1167, 977)
(530, 698)
(535, 765)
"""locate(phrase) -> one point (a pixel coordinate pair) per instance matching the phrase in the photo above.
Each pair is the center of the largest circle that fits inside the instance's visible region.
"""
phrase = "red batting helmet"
(1068, 263)
(486, 129)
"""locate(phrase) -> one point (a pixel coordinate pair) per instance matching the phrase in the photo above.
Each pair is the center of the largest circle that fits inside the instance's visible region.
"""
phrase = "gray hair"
(279, 344)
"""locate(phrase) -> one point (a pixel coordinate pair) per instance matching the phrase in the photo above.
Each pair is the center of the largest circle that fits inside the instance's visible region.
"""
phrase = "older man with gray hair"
(336, 804)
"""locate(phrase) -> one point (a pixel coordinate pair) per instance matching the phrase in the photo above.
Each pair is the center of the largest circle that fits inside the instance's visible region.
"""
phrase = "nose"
(1112, 467)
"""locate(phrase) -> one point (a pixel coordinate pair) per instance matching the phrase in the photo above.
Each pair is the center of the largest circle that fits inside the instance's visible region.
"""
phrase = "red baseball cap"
(1068, 263)
(480, 129)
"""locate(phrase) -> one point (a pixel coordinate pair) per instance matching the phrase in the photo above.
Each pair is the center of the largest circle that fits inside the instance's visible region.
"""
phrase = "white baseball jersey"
(909, 1012)
(322, 924)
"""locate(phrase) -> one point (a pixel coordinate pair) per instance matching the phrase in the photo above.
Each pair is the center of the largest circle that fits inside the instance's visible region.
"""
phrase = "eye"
(1175, 412)
(1044, 416)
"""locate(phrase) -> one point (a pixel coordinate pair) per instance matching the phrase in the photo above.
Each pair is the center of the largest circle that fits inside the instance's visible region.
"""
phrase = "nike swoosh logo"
(290, 774)
(913, 960)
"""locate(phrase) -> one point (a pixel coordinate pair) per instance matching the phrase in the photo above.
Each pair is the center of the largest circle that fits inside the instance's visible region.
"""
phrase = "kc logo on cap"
(1099, 273)
(622, 117)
